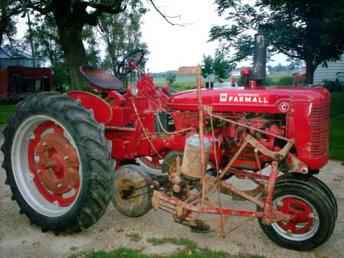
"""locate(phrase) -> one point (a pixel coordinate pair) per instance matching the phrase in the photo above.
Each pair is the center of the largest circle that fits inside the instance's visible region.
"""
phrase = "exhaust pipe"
(259, 66)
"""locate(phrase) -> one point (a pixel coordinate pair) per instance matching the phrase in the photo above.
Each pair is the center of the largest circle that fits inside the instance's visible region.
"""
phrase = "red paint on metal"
(54, 164)
(128, 140)
(268, 214)
(302, 215)
(101, 110)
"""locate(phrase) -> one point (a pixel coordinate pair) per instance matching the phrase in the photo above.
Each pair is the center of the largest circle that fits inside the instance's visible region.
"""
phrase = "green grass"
(337, 104)
(191, 251)
(337, 126)
(337, 138)
(180, 242)
(5, 112)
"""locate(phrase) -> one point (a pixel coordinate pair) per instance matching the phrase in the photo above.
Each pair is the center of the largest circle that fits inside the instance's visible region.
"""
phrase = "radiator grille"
(320, 129)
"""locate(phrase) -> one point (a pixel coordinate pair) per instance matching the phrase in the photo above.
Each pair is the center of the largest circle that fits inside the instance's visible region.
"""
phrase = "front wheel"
(313, 217)
(132, 191)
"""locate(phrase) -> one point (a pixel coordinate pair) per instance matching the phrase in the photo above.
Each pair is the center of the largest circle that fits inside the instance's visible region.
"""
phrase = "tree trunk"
(70, 39)
(74, 53)
(33, 50)
(310, 69)
(69, 27)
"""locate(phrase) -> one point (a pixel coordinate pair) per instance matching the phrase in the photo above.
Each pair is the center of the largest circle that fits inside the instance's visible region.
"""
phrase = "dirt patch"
(20, 239)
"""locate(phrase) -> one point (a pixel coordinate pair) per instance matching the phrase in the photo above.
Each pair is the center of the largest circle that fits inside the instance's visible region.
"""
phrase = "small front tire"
(313, 221)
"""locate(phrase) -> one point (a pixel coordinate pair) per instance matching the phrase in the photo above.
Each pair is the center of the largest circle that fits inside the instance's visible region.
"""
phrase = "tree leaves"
(310, 30)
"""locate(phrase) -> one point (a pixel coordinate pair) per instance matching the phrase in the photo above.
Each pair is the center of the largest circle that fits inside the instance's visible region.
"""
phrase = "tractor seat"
(101, 79)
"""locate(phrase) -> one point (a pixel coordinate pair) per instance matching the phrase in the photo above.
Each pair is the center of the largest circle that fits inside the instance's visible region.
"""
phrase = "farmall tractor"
(67, 156)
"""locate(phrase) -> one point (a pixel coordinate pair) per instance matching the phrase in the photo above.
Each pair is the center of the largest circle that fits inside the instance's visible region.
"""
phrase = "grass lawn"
(5, 112)
(129, 253)
(188, 247)
(337, 127)
(337, 138)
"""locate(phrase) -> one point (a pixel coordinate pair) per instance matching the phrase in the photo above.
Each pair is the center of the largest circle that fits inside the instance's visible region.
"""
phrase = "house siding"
(328, 73)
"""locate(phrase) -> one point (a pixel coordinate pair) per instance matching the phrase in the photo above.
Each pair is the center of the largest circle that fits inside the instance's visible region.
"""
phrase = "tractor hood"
(272, 100)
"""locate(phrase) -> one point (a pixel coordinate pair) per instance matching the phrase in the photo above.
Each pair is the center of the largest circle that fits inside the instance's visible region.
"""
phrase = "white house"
(330, 72)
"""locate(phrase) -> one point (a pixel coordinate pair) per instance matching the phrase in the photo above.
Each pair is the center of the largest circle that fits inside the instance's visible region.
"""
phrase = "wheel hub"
(54, 164)
(127, 190)
(302, 216)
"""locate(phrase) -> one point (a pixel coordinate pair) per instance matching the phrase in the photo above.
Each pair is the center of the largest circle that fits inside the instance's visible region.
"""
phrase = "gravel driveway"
(19, 239)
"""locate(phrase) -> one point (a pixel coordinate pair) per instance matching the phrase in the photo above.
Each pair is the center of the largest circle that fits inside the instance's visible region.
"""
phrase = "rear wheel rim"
(46, 165)
(305, 222)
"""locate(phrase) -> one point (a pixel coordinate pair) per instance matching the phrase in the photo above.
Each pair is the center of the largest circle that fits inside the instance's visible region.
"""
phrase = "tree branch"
(37, 7)
(164, 16)
(106, 8)
(284, 51)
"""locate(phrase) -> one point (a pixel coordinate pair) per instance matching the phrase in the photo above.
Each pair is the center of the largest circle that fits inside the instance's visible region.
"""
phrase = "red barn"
(20, 76)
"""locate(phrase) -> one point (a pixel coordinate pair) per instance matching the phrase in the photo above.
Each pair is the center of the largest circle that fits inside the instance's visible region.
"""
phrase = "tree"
(44, 38)
(221, 66)
(92, 51)
(308, 30)
(218, 65)
(70, 17)
(207, 66)
(122, 36)
(7, 26)
(170, 77)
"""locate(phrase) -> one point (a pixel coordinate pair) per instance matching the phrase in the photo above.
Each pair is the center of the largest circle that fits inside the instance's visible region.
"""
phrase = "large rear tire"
(314, 218)
(57, 163)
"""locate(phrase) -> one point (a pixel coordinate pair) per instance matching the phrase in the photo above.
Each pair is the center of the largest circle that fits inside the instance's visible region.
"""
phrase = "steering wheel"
(132, 61)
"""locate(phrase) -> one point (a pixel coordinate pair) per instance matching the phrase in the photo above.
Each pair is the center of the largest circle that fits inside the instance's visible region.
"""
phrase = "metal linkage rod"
(201, 135)
(210, 113)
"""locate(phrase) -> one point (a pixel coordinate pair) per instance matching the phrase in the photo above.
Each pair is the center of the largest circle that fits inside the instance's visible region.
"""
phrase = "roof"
(189, 70)
(9, 52)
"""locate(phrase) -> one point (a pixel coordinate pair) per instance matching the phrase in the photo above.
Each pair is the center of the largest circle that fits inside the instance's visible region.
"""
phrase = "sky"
(175, 46)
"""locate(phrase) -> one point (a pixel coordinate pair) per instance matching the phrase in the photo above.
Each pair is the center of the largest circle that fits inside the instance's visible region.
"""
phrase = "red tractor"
(177, 153)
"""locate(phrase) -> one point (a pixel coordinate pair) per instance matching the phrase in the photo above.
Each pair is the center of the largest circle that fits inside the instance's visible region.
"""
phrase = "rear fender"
(101, 110)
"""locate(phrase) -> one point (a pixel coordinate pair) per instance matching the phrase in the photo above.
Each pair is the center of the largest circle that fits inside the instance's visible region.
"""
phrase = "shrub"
(170, 78)
(285, 80)
(333, 86)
